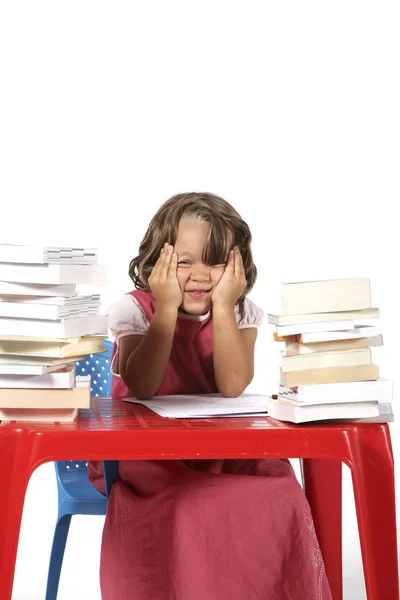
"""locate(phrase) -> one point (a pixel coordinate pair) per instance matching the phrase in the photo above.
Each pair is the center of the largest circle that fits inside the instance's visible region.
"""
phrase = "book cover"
(63, 378)
(75, 397)
(285, 330)
(330, 393)
(44, 415)
(330, 375)
(47, 348)
(282, 411)
(353, 315)
(301, 362)
(326, 296)
(333, 346)
(49, 311)
(13, 253)
(60, 328)
(54, 274)
(36, 289)
(357, 332)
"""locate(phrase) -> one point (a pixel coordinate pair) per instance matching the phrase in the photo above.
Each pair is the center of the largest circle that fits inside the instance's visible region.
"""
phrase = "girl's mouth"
(197, 294)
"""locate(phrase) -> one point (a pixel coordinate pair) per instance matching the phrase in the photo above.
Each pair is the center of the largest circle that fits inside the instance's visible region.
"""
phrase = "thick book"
(30, 368)
(63, 378)
(59, 308)
(13, 253)
(26, 347)
(330, 375)
(54, 274)
(357, 332)
(386, 415)
(330, 393)
(326, 296)
(18, 359)
(43, 415)
(37, 289)
(319, 360)
(76, 397)
(278, 409)
(332, 346)
(285, 330)
(60, 328)
(351, 315)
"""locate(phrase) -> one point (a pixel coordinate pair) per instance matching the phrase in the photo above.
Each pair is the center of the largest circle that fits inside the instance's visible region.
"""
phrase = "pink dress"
(203, 529)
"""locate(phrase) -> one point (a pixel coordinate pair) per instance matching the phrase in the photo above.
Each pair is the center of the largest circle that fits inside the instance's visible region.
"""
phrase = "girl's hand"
(163, 281)
(232, 283)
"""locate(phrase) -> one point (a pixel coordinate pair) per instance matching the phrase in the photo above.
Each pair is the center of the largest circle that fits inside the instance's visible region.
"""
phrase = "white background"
(289, 110)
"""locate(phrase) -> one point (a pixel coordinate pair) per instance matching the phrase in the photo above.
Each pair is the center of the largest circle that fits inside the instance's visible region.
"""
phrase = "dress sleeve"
(125, 317)
(249, 315)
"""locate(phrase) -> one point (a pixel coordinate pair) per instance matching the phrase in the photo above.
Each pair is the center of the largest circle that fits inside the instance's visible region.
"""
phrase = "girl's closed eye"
(185, 262)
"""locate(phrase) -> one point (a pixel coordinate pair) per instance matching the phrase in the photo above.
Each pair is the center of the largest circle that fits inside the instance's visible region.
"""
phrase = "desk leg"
(14, 474)
(323, 488)
(373, 480)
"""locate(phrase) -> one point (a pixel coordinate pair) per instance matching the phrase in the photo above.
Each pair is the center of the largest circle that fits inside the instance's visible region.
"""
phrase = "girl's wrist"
(166, 311)
(222, 308)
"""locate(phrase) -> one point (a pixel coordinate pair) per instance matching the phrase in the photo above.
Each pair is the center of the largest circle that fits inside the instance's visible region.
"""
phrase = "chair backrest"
(98, 367)
(73, 473)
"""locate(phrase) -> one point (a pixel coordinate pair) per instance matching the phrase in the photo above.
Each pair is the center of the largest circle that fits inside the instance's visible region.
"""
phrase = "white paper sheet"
(205, 405)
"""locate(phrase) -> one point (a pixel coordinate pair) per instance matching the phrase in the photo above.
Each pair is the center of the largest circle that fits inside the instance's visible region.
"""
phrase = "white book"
(380, 390)
(284, 330)
(54, 311)
(36, 289)
(61, 328)
(325, 296)
(54, 274)
(350, 315)
(64, 378)
(13, 253)
(359, 331)
(185, 406)
(319, 360)
(30, 369)
(92, 299)
(283, 411)
(385, 416)
(29, 359)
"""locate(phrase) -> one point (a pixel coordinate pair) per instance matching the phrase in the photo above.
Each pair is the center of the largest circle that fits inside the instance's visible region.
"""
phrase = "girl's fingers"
(165, 259)
(230, 265)
(173, 265)
(238, 261)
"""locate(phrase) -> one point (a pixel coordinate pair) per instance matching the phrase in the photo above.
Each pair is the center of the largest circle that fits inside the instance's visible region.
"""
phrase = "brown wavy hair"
(226, 229)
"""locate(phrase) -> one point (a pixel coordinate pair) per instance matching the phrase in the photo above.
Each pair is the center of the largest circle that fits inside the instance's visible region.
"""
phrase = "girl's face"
(196, 279)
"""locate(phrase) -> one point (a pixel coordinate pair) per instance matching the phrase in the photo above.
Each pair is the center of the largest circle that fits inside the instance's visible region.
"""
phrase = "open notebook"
(205, 405)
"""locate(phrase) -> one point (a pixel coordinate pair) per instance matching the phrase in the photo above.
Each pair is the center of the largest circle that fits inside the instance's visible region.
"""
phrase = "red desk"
(112, 429)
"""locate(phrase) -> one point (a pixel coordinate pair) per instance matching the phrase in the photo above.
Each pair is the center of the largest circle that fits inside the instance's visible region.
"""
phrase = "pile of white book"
(45, 327)
(327, 370)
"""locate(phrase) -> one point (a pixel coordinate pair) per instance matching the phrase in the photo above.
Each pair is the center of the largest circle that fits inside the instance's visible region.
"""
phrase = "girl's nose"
(201, 273)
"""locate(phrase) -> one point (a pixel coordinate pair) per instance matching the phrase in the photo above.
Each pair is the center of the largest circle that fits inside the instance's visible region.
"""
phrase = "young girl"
(199, 529)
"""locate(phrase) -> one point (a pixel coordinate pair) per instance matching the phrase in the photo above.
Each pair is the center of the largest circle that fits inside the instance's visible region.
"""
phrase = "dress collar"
(188, 317)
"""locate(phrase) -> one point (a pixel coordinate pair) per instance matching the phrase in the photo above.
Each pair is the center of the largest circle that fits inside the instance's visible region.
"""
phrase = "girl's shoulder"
(129, 314)
(249, 314)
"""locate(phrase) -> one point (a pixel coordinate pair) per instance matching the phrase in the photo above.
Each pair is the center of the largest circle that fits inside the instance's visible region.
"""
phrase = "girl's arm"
(144, 359)
(233, 353)
(233, 349)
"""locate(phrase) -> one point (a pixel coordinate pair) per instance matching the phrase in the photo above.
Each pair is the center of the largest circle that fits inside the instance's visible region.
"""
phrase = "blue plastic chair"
(76, 496)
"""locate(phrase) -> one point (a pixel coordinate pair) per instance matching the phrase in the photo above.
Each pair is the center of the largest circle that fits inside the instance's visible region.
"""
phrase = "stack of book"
(45, 327)
(327, 370)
